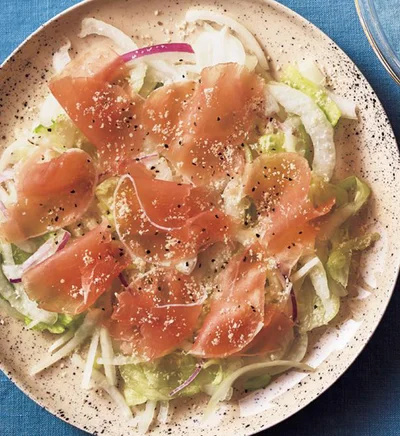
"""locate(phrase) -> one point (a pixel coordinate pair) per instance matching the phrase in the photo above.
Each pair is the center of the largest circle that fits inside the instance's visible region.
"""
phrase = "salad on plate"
(174, 216)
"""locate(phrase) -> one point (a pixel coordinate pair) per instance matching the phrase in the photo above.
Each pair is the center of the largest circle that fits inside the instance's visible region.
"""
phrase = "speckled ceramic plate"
(366, 148)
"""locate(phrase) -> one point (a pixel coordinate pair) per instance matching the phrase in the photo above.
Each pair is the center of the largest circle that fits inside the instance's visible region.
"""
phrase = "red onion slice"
(187, 382)
(294, 305)
(3, 210)
(162, 51)
(123, 280)
(49, 248)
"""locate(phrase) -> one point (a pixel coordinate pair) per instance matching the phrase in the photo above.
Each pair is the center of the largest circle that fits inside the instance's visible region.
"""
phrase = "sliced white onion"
(249, 41)
(84, 331)
(222, 390)
(318, 278)
(8, 310)
(163, 411)
(50, 111)
(271, 105)
(16, 152)
(310, 70)
(315, 123)
(101, 382)
(347, 107)
(92, 26)
(146, 417)
(90, 360)
(12, 191)
(7, 174)
(61, 57)
(6, 251)
(33, 324)
(107, 353)
(216, 47)
(304, 270)
(61, 341)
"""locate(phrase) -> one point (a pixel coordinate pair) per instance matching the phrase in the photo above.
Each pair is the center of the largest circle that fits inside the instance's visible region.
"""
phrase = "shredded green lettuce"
(304, 144)
(292, 77)
(271, 143)
(339, 260)
(19, 255)
(311, 310)
(155, 380)
(64, 322)
(321, 191)
(357, 195)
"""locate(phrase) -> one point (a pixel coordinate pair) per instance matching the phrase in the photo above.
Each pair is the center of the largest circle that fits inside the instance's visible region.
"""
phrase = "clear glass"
(381, 22)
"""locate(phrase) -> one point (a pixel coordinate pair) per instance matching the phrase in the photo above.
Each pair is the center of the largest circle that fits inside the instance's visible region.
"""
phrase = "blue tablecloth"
(366, 400)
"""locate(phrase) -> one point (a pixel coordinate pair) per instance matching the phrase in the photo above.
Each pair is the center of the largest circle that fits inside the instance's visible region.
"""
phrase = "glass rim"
(377, 38)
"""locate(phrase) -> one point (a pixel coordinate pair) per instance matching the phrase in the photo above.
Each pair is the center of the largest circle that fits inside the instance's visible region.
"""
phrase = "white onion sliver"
(61, 341)
(304, 270)
(92, 26)
(33, 324)
(107, 353)
(17, 151)
(50, 111)
(221, 393)
(61, 58)
(8, 310)
(311, 71)
(163, 411)
(315, 123)
(7, 174)
(347, 107)
(216, 47)
(147, 416)
(83, 332)
(101, 382)
(87, 373)
(6, 251)
(250, 42)
(271, 105)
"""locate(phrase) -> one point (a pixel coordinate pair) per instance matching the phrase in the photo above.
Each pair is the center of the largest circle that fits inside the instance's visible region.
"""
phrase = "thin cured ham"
(102, 109)
(73, 279)
(201, 127)
(161, 221)
(237, 309)
(157, 313)
(278, 185)
(274, 336)
(52, 193)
